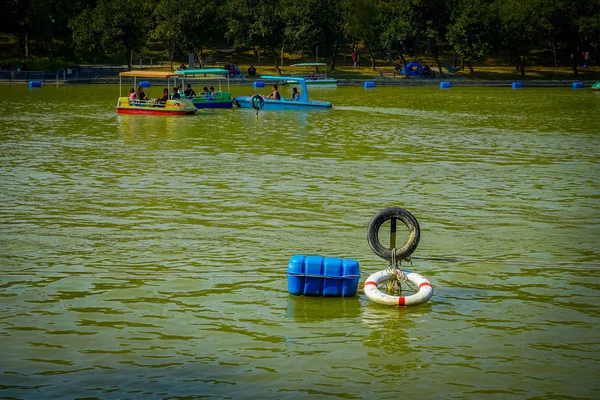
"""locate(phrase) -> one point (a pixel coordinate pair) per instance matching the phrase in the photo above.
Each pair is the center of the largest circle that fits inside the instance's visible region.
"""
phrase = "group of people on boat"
(276, 96)
(177, 93)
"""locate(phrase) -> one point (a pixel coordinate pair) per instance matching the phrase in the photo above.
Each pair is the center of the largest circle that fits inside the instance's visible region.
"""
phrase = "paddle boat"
(220, 99)
(315, 79)
(151, 106)
(283, 104)
(596, 87)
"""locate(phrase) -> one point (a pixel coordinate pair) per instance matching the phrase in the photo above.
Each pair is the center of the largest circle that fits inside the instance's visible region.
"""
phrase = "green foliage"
(252, 23)
(311, 23)
(99, 29)
(473, 27)
(395, 33)
(112, 27)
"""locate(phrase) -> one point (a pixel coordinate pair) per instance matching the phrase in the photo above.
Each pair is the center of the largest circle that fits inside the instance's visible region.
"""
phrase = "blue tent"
(414, 69)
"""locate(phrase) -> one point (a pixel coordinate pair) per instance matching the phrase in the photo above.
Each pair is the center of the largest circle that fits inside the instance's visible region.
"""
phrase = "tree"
(520, 24)
(396, 34)
(472, 29)
(196, 28)
(113, 27)
(430, 20)
(256, 24)
(311, 24)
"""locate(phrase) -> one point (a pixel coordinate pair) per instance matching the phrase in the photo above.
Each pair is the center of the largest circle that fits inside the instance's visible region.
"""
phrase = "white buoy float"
(374, 294)
(394, 275)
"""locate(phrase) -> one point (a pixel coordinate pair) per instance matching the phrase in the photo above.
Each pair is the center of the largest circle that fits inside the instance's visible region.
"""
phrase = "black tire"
(257, 102)
(411, 223)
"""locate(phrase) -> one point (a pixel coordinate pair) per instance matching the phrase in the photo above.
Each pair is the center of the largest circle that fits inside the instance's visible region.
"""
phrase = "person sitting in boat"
(164, 97)
(212, 94)
(313, 76)
(140, 93)
(275, 94)
(175, 94)
(204, 91)
(295, 94)
(132, 95)
(189, 92)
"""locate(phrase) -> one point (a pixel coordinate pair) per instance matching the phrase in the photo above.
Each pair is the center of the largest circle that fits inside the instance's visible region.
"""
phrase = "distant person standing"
(355, 58)
(586, 59)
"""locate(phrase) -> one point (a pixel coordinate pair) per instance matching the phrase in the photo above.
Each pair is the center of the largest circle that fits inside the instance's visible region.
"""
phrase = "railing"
(24, 76)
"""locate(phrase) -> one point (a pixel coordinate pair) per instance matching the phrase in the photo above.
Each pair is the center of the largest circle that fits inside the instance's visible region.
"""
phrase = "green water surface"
(145, 256)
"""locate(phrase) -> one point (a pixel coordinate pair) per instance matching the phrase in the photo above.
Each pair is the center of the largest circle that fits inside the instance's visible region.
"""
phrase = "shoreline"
(397, 82)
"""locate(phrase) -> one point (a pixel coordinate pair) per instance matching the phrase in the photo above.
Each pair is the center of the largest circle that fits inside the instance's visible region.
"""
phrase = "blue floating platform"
(259, 84)
(445, 85)
(145, 84)
(320, 276)
(577, 85)
(517, 85)
(369, 84)
(35, 84)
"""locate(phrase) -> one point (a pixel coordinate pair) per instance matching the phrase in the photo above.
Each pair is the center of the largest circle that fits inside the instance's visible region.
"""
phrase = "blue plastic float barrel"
(369, 84)
(517, 85)
(35, 84)
(145, 84)
(320, 276)
(259, 84)
(577, 85)
(445, 85)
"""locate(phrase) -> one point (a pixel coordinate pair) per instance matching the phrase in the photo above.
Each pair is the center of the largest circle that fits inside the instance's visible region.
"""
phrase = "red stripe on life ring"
(370, 283)
(401, 301)
(424, 284)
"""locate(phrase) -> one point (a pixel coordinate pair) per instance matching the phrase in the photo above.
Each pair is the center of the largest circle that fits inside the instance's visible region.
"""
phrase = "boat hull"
(219, 104)
(171, 107)
(596, 87)
(222, 100)
(244, 102)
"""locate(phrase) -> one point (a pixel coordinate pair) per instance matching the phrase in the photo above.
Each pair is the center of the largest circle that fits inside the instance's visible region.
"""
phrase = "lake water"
(145, 256)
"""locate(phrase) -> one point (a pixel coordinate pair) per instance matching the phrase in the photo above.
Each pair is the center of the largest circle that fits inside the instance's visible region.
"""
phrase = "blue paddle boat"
(284, 104)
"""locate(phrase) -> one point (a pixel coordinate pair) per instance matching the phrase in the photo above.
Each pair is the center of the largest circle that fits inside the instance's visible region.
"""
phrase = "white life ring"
(373, 293)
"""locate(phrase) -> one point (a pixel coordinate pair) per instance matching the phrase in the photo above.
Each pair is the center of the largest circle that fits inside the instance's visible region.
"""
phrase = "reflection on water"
(145, 256)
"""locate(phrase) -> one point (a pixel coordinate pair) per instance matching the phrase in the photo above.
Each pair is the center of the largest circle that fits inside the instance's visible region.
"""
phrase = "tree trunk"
(522, 69)
(372, 60)
(333, 57)
(436, 56)
(200, 55)
(275, 58)
(555, 57)
(470, 66)
(172, 55)
(26, 44)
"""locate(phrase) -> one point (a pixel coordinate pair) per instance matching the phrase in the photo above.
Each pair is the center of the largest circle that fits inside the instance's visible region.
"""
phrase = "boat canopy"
(309, 64)
(204, 71)
(301, 81)
(143, 73)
